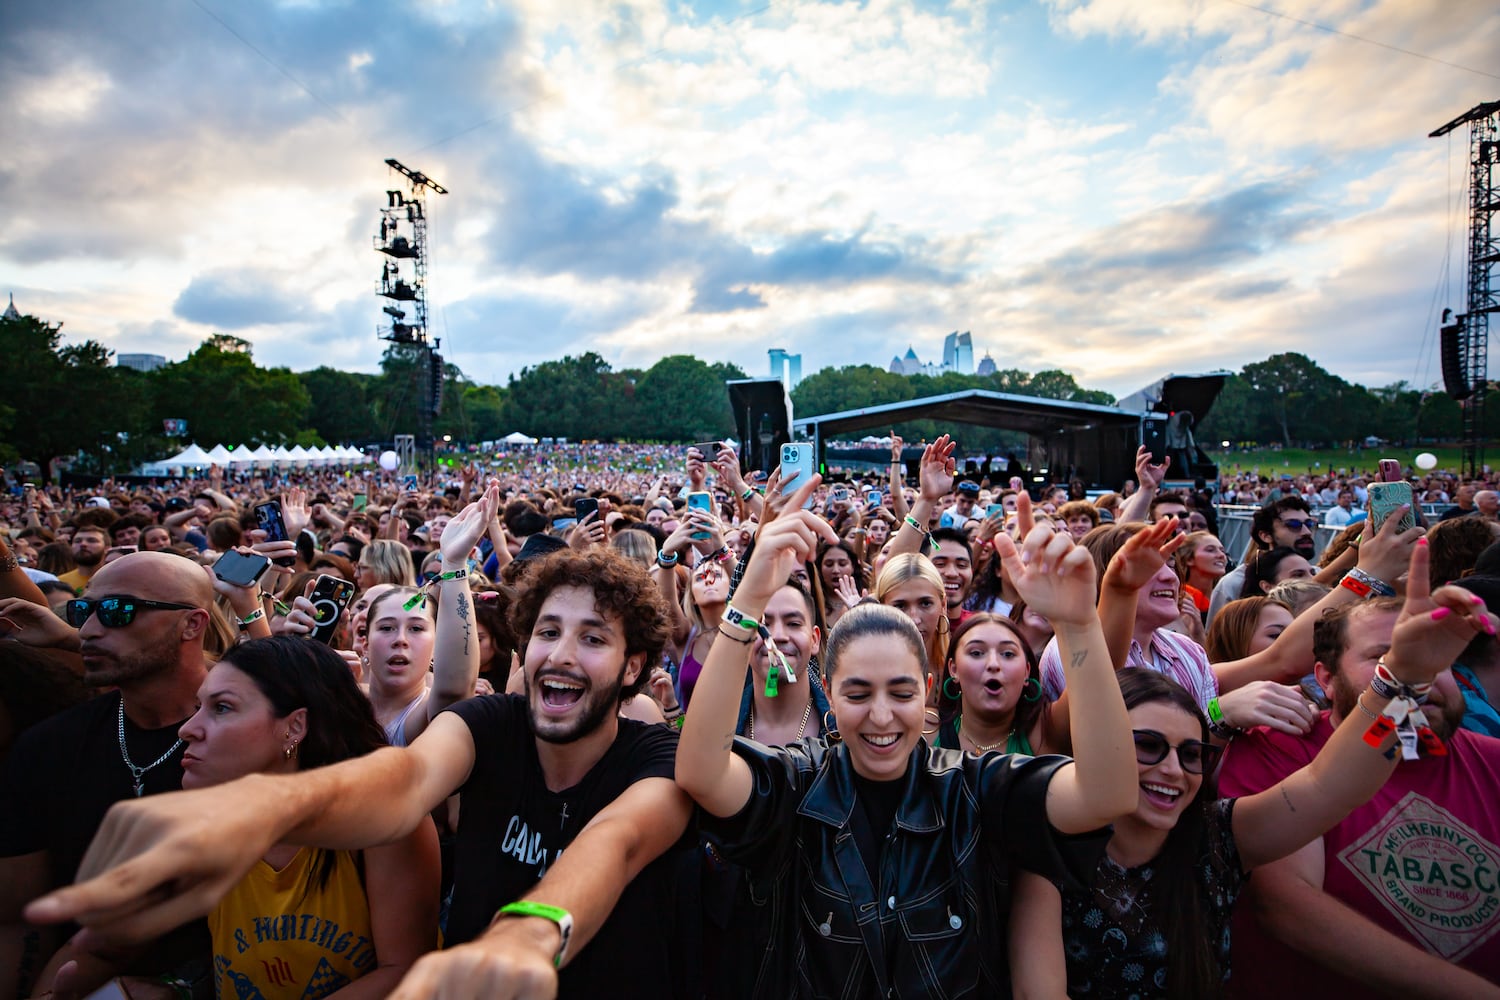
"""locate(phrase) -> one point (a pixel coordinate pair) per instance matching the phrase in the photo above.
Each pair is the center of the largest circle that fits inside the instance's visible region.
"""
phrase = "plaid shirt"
(1171, 653)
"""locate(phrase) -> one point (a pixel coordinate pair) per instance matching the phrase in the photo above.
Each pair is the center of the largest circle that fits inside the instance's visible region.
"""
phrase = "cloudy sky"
(1119, 188)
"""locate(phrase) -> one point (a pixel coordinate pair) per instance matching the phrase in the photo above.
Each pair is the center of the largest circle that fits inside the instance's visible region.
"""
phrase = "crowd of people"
(594, 720)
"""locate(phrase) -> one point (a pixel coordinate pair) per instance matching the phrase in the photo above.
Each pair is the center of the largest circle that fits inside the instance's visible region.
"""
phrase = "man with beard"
(565, 812)
(1287, 522)
(1400, 897)
(140, 630)
(89, 545)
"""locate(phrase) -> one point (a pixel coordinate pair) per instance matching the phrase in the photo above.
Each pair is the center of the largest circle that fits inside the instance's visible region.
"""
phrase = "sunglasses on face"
(1195, 756)
(1298, 525)
(115, 611)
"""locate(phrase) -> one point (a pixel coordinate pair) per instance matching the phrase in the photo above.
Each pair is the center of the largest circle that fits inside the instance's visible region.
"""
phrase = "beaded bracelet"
(747, 640)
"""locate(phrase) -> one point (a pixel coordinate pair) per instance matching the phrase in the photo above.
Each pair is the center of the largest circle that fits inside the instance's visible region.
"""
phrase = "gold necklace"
(801, 730)
(983, 748)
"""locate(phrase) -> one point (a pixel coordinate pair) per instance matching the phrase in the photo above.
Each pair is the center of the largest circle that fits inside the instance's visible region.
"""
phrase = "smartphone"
(409, 483)
(330, 596)
(361, 501)
(1386, 499)
(563, 523)
(993, 509)
(239, 569)
(1016, 483)
(709, 449)
(839, 494)
(798, 458)
(1313, 691)
(269, 518)
(873, 498)
(1390, 470)
(584, 506)
(700, 501)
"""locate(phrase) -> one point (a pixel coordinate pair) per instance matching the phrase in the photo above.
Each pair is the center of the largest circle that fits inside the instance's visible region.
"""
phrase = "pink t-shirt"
(1421, 859)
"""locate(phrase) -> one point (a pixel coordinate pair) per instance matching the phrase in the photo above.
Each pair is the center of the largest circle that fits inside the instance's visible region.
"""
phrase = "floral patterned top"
(1112, 932)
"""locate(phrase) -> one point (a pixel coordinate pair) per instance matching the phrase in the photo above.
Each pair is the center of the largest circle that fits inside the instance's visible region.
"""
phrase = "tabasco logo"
(1434, 872)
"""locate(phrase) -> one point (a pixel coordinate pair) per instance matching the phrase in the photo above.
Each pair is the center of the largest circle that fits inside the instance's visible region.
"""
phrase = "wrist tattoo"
(1287, 798)
(1078, 659)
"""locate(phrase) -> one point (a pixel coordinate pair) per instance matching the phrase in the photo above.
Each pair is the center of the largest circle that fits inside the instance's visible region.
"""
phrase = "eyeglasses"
(1195, 756)
(115, 611)
(1297, 525)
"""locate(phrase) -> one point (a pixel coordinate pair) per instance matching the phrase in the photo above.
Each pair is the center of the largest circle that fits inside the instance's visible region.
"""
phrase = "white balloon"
(1426, 460)
(389, 460)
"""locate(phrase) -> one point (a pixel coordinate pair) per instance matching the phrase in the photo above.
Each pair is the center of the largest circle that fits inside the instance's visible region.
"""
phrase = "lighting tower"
(1466, 344)
(403, 284)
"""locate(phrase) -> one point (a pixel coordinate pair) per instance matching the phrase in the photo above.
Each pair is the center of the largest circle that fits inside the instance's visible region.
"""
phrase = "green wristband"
(1215, 713)
(561, 917)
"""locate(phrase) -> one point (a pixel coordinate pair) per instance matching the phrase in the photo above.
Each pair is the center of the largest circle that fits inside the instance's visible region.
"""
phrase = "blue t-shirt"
(1479, 715)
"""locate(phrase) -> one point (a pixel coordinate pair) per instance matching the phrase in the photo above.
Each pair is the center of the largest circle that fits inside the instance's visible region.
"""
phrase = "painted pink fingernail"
(1476, 598)
(1438, 614)
(1421, 541)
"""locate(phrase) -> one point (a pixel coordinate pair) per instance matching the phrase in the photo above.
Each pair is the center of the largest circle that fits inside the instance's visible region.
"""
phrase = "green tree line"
(71, 399)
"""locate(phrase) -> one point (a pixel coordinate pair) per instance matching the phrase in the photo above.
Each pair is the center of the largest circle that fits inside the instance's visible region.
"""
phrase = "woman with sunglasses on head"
(1155, 922)
(940, 829)
(358, 919)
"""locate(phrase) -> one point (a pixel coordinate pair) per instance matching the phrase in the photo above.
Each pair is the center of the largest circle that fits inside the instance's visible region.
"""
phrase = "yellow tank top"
(277, 936)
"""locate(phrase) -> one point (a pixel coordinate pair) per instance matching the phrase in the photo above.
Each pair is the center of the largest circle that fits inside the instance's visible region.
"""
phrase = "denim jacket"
(941, 895)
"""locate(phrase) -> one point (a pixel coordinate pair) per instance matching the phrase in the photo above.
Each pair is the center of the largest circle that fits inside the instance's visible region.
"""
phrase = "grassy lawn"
(1297, 461)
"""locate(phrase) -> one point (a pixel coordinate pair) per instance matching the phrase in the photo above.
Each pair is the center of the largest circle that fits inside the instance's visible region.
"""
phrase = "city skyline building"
(786, 367)
(958, 356)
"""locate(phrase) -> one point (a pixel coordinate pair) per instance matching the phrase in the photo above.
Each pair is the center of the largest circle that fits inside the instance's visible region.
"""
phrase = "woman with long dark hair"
(878, 855)
(1155, 921)
(346, 923)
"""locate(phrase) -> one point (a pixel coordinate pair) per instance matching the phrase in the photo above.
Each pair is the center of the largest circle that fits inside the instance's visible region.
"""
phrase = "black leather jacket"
(932, 923)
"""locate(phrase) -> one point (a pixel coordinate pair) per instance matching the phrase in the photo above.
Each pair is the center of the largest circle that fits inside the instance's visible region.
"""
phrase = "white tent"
(280, 456)
(516, 437)
(219, 455)
(262, 457)
(243, 455)
(191, 457)
(298, 456)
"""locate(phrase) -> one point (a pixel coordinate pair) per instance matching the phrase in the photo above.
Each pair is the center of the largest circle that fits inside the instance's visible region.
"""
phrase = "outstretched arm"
(937, 471)
(160, 861)
(1432, 632)
(1056, 579)
(455, 659)
(1149, 476)
(707, 767)
(1384, 556)
(514, 958)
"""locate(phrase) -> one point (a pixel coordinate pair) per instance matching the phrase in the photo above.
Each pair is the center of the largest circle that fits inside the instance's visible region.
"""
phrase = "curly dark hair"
(622, 589)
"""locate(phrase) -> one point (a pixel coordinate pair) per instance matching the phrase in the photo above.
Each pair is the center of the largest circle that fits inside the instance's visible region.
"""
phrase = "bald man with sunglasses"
(140, 628)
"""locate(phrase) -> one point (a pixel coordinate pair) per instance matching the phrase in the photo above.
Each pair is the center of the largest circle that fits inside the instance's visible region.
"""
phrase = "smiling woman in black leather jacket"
(883, 863)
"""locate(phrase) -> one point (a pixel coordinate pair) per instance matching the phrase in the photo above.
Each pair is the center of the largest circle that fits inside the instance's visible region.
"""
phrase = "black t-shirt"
(61, 778)
(512, 828)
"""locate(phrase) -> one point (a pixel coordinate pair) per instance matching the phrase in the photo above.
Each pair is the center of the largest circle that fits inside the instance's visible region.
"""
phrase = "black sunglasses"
(1297, 525)
(116, 610)
(1195, 756)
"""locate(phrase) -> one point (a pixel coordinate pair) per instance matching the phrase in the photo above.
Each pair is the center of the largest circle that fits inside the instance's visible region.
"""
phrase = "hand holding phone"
(330, 596)
(703, 502)
(272, 521)
(240, 570)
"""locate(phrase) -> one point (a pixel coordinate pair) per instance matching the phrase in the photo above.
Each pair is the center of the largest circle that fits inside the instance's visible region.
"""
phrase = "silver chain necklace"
(138, 774)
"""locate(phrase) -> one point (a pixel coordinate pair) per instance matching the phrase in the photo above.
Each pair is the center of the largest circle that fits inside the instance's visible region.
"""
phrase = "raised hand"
(468, 525)
(1053, 576)
(294, 510)
(589, 531)
(510, 962)
(847, 592)
(782, 546)
(1433, 628)
(937, 469)
(1143, 555)
(1148, 475)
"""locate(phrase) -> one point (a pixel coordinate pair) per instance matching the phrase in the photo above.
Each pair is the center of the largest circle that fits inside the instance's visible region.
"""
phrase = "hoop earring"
(931, 717)
(955, 692)
(1032, 689)
(831, 729)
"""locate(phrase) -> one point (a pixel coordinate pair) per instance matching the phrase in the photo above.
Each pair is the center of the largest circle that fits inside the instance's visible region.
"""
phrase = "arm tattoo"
(1078, 659)
(1287, 798)
(463, 616)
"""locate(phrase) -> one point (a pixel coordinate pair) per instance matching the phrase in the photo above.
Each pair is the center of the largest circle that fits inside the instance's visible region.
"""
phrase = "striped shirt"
(1171, 653)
